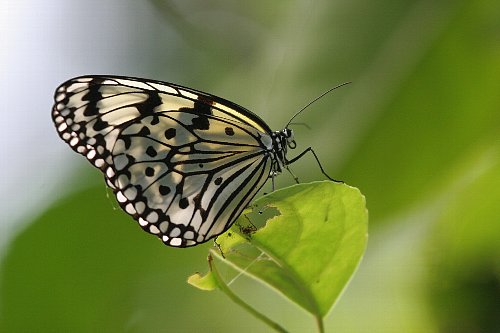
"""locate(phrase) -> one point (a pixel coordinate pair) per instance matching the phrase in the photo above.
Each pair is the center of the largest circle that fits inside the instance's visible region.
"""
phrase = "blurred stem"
(319, 322)
(225, 289)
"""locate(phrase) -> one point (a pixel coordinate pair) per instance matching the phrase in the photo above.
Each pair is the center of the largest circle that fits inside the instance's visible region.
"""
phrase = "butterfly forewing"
(183, 163)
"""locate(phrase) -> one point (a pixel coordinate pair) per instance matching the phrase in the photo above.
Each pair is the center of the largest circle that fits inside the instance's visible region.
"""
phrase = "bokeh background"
(417, 131)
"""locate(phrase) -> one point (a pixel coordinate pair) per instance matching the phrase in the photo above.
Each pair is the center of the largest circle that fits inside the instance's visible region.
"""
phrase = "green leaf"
(310, 250)
(203, 282)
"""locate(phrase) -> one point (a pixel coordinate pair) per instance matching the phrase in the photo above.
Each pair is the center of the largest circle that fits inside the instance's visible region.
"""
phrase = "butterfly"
(183, 163)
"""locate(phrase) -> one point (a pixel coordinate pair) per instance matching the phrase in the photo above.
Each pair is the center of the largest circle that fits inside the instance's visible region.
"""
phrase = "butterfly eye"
(288, 133)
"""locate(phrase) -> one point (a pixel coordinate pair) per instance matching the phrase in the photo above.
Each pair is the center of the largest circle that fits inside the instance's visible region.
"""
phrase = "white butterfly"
(181, 162)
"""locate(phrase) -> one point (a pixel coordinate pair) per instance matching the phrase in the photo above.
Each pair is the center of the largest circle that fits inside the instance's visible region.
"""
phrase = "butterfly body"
(181, 162)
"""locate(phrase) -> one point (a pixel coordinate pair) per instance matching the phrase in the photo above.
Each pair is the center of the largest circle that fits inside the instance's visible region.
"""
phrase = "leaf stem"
(225, 289)
(319, 322)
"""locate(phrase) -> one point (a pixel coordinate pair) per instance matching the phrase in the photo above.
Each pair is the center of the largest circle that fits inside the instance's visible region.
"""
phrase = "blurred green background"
(417, 132)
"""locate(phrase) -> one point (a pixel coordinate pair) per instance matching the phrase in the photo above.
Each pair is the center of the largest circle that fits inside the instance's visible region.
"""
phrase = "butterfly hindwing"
(183, 163)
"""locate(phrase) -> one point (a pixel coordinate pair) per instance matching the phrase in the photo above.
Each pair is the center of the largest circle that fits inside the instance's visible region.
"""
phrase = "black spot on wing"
(170, 133)
(91, 110)
(200, 123)
(147, 107)
(144, 131)
(203, 106)
(155, 120)
(93, 95)
(183, 203)
(151, 152)
(93, 91)
(131, 159)
(229, 131)
(99, 125)
(164, 190)
(150, 172)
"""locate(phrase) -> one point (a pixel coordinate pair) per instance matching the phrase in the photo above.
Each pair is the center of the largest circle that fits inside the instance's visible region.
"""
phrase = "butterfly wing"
(181, 162)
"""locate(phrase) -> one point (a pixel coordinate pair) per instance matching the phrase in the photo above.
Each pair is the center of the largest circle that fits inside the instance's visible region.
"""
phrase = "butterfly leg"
(317, 160)
(272, 181)
(217, 245)
(293, 175)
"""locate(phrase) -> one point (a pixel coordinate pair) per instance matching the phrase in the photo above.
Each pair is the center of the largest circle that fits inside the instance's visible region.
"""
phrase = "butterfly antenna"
(314, 100)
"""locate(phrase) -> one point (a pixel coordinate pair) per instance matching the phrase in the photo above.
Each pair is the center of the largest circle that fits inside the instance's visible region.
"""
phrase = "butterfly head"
(283, 140)
(287, 134)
